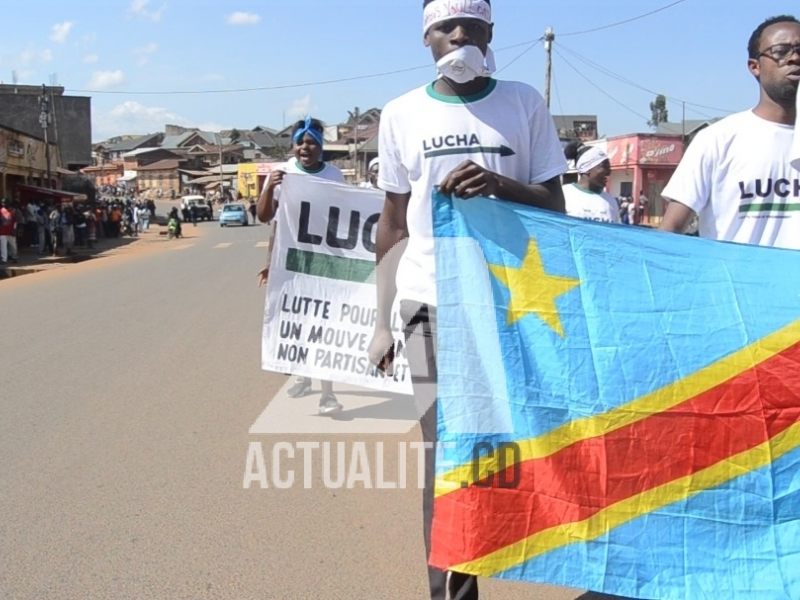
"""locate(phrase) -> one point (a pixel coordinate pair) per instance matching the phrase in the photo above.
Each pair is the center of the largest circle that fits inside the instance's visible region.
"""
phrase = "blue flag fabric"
(619, 408)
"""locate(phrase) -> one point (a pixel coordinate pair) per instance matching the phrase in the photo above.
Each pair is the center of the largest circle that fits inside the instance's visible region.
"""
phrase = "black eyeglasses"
(781, 52)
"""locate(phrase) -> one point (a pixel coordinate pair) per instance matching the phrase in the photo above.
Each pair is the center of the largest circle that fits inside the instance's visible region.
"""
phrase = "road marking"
(262, 245)
(184, 247)
(223, 245)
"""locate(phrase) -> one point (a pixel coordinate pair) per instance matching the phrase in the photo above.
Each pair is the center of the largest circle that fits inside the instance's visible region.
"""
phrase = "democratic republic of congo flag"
(619, 408)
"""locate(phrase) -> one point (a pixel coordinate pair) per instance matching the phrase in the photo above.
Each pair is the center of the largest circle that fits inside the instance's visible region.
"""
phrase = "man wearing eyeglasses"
(737, 174)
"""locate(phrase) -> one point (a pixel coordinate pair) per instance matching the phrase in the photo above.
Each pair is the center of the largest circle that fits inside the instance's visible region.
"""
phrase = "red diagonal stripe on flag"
(589, 476)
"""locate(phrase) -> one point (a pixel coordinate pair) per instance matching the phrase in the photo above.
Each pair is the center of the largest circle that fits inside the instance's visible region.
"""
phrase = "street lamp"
(44, 121)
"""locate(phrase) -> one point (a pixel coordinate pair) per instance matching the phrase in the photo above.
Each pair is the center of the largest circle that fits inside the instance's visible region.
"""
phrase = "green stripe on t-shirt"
(769, 207)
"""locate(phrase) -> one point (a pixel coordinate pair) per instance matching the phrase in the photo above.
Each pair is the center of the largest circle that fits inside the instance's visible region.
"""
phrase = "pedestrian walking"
(144, 218)
(372, 175)
(8, 232)
(740, 194)
(56, 229)
(307, 143)
(463, 104)
(587, 198)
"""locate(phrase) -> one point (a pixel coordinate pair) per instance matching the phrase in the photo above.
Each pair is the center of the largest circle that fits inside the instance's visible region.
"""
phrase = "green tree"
(659, 112)
(236, 135)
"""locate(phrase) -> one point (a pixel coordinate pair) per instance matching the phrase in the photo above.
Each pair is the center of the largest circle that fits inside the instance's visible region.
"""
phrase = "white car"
(203, 209)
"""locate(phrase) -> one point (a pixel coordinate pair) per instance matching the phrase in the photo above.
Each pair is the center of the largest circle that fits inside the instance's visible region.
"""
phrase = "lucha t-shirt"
(796, 146)
(736, 174)
(506, 129)
(589, 205)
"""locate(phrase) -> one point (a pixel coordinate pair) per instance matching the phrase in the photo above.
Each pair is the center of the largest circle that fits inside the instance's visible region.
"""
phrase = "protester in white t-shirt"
(307, 138)
(795, 156)
(372, 174)
(471, 135)
(587, 198)
(736, 174)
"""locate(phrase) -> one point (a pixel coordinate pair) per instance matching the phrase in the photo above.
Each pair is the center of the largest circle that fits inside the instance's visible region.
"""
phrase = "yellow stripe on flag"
(623, 512)
(655, 402)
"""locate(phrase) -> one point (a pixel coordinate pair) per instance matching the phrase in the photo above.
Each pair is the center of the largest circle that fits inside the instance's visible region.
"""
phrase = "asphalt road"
(128, 387)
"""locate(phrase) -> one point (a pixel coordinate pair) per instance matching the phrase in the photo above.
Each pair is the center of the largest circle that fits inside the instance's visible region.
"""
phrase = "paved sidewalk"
(31, 262)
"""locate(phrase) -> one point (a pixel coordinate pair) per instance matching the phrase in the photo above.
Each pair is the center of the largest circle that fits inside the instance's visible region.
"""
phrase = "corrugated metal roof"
(134, 143)
(162, 165)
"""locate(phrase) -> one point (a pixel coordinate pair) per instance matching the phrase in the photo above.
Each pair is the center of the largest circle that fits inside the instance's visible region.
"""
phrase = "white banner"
(321, 300)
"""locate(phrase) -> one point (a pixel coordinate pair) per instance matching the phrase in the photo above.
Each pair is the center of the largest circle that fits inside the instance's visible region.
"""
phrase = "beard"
(783, 92)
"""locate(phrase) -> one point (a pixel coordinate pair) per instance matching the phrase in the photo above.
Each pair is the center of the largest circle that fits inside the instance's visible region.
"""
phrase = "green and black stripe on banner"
(329, 267)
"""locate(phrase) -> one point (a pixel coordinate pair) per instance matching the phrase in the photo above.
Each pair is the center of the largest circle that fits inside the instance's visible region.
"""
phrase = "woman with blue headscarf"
(307, 143)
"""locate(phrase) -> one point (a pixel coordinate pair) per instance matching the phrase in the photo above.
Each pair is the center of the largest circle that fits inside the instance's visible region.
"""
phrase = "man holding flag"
(736, 174)
(468, 135)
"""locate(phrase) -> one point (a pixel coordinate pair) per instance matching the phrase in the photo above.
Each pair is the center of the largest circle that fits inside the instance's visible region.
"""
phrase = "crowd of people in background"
(57, 229)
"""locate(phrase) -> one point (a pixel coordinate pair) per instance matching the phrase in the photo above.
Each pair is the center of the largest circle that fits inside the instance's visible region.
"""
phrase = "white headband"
(443, 10)
(593, 157)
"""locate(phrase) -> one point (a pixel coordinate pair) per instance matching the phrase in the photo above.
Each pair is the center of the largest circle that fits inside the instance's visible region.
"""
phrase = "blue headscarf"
(307, 129)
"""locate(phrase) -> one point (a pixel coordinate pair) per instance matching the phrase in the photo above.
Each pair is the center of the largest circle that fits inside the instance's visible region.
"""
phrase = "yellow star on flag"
(533, 290)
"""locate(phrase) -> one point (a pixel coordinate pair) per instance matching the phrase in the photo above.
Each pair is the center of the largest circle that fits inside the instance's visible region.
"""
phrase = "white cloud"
(91, 58)
(144, 53)
(243, 18)
(31, 56)
(61, 31)
(301, 108)
(102, 80)
(211, 126)
(134, 118)
(89, 38)
(139, 8)
(27, 57)
(27, 77)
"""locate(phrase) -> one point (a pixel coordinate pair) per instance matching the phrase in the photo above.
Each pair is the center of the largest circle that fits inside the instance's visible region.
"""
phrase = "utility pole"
(356, 116)
(44, 121)
(220, 168)
(683, 126)
(549, 37)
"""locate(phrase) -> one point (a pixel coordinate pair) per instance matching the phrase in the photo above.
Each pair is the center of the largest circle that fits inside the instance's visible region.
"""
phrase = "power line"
(359, 77)
(558, 95)
(618, 77)
(530, 43)
(626, 21)
(601, 90)
(520, 55)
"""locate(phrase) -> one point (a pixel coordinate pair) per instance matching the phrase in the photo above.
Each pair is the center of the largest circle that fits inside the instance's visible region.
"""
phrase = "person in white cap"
(587, 198)
(372, 174)
(737, 174)
(471, 135)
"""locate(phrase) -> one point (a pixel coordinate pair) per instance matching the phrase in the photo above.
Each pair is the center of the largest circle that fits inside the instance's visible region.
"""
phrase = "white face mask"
(466, 63)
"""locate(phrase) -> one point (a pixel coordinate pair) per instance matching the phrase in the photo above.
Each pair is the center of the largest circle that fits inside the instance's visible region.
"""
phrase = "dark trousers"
(420, 334)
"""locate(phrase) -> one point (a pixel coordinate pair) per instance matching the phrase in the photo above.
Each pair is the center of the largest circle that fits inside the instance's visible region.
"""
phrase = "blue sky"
(695, 51)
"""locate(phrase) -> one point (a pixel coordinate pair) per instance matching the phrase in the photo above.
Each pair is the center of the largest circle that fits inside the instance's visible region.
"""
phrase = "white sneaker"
(329, 405)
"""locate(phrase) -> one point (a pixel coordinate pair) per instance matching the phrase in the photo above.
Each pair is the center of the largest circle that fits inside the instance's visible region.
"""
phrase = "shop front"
(644, 163)
(23, 161)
